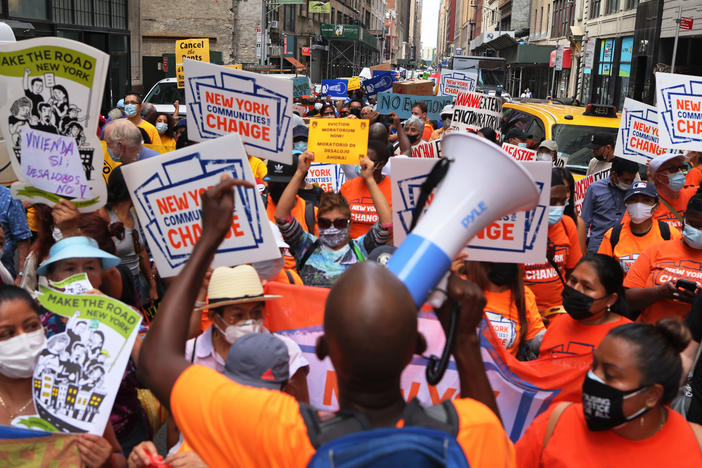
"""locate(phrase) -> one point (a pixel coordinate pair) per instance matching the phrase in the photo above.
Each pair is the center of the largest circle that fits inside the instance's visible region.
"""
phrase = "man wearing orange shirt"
(666, 172)
(419, 109)
(370, 334)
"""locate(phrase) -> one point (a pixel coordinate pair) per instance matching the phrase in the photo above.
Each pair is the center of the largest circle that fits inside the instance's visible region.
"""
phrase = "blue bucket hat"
(77, 247)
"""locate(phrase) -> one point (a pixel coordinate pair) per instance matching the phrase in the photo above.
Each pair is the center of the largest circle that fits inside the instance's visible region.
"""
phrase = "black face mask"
(276, 191)
(577, 304)
(502, 273)
(356, 112)
(603, 404)
(413, 138)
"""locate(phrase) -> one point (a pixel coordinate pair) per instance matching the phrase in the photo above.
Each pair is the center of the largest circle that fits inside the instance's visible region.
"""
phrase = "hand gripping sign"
(679, 104)
(638, 137)
(166, 194)
(48, 118)
(258, 108)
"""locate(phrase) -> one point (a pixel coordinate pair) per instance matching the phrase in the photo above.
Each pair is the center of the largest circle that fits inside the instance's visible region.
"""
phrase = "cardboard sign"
(301, 86)
(473, 111)
(581, 186)
(300, 109)
(517, 238)
(638, 139)
(457, 81)
(338, 141)
(193, 49)
(337, 89)
(330, 177)
(77, 376)
(166, 194)
(519, 153)
(427, 150)
(378, 84)
(679, 105)
(256, 107)
(52, 85)
(401, 104)
(354, 83)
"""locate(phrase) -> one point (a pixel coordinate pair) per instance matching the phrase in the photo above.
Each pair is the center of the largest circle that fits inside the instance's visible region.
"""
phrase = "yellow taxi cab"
(571, 127)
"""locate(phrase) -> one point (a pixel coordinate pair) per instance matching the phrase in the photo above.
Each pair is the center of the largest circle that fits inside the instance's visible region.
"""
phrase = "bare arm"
(582, 234)
(176, 104)
(401, 136)
(688, 359)
(287, 199)
(382, 207)
(640, 298)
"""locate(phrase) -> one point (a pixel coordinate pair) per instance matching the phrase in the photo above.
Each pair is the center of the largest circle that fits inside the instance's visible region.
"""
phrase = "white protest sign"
(52, 85)
(679, 104)
(638, 139)
(428, 149)
(516, 238)
(222, 100)
(457, 81)
(329, 177)
(519, 153)
(581, 186)
(166, 194)
(473, 111)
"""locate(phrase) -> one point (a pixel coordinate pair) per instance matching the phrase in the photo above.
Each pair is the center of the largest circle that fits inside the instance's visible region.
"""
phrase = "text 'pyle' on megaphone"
(483, 184)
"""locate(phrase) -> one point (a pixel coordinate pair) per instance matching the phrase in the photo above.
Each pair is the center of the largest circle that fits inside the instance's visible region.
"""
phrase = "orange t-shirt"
(573, 445)
(694, 177)
(363, 214)
(428, 130)
(630, 245)
(543, 279)
(658, 264)
(566, 336)
(502, 313)
(229, 424)
(664, 214)
(298, 212)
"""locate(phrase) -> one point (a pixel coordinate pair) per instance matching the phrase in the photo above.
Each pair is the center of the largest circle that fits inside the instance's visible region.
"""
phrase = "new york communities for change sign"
(679, 104)
(638, 137)
(456, 81)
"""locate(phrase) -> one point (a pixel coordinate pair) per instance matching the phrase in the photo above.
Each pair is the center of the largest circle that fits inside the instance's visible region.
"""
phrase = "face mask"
(317, 106)
(576, 303)
(603, 404)
(521, 145)
(639, 212)
(300, 146)
(18, 354)
(543, 156)
(413, 138)
(622, 186)
(130, 110)
(161, 127)
(692, 236)
(244, 327)
(502, 273)
(676, 181)
(599, 157)
(446, 122)
(356, 112)
(333, 237)
(555, 213)
(114, 157)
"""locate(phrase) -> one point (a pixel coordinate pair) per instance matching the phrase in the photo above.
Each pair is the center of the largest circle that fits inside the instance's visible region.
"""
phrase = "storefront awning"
(296, 63)
(527, 54)
(567, 58)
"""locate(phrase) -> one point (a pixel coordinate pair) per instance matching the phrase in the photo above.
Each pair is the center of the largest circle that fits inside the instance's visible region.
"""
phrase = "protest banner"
(77, 376)
(53, 86)
(519, 153)
(679, 105)
(401, 104)
(638, 139)
(193, 49)
(337, 89)
(329, 177)
(257, 107)
(428, 149)
(522, 390)
(378, 84)
(338, 141)
(354, 83)
(517, 238)
(166, 194)
(473, 111)
(301, 86)
(457, 81)
(21, 447)
(581, 186)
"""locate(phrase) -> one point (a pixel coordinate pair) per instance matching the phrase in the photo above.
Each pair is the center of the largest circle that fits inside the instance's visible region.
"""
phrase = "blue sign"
(335, 88)
(301, 86)
(401, 104)
(378, 84)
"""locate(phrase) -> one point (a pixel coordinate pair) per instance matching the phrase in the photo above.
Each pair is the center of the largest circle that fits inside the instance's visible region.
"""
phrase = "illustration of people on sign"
(20, 113)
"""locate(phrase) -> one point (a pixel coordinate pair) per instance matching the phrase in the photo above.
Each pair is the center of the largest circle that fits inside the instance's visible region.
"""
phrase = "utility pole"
(677, 34)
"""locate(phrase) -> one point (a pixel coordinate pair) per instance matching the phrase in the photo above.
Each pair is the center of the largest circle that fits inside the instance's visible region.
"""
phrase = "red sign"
(165, 63)
(306, 51)
(686, 23)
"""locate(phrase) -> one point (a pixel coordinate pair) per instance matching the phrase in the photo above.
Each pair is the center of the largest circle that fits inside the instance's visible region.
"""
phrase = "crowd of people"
(621, 284)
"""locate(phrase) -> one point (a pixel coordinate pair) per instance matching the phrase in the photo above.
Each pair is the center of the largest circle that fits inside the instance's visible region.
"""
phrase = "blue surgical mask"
(161, 127)
(692, 236)
(300, 146)
(112, 155)
(555, 213)
(676, 181)
(130, 110)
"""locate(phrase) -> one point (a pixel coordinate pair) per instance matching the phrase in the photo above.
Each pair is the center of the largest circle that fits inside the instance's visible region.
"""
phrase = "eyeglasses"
(339, 223)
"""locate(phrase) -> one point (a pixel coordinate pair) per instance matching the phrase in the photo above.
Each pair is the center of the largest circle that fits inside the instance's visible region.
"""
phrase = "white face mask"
(244, 327)
(19, 353)
(639, 212)
(543, 156)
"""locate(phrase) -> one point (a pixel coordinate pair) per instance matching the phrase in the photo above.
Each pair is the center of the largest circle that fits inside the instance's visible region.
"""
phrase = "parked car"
(164, 93)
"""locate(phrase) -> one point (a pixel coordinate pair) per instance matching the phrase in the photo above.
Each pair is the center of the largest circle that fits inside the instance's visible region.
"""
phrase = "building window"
(611, 6)
(35, 9)
(289, 18)
(562, 17)
(595, 8)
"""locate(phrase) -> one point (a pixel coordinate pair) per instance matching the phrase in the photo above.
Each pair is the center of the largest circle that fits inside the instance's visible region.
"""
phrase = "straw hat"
(235, 286)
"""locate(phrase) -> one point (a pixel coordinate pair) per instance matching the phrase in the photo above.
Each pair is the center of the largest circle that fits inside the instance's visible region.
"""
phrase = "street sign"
(559, 58)
(686, 23)
(590, 53)
(305, 51)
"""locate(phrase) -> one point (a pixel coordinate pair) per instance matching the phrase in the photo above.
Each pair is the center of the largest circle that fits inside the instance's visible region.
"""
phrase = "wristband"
(387, 227)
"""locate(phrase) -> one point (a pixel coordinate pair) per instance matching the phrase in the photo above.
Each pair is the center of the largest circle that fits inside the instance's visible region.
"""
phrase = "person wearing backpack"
(370, 334)
(627, 240)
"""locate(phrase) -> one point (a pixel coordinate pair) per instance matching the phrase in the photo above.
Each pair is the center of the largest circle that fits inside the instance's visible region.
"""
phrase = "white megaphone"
(482, 184)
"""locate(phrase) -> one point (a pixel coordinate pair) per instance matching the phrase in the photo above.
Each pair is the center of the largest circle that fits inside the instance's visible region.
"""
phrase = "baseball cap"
(77, 247)
(643, 188)
(381, 254)
(658, 161)
(258, 360)
(598, 140)
(279, 172)
(516, 132)
(300, 131)
(550, 145)
(447, 110)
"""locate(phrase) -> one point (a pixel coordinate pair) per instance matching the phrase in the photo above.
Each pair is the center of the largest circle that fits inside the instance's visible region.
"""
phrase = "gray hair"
(126, 132)
(416, 122)
(115, 114)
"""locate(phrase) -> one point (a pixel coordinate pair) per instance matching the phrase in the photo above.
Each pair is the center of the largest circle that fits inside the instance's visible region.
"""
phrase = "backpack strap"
(665, 229)
(672, 210)
(324, 427)
(356, 250)
(614, 237)
(307, 255)
(192, 355)
(553, 420)
(309, 216)
(289, 275)
(442, 417)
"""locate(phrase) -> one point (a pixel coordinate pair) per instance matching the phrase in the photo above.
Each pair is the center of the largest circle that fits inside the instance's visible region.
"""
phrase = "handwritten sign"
(52, 85)
(519, 153)
(473, 111)
(329, 177)
(258, 108)
(193, 49)
(338, 141)
(378, 84)
(402, 104)
(581, 186)
(428, 149)
(301, 86)
(166, 194)
(638, 138)
(679, 104)
(456, 81)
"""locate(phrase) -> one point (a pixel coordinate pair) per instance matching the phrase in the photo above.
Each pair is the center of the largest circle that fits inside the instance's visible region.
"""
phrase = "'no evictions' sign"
(401, 104)
(338, 141)
(679, 104)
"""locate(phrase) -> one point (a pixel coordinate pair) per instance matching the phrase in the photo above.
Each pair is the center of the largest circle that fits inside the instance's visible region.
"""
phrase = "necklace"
(12, 416)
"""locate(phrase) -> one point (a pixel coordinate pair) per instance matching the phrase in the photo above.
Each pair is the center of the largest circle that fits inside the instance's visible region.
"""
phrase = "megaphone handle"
(437, 366)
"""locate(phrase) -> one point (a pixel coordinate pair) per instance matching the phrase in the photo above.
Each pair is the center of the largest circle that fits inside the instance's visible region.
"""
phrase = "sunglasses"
(339, 223)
